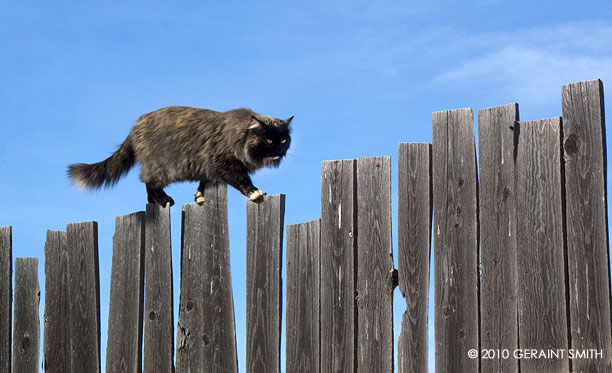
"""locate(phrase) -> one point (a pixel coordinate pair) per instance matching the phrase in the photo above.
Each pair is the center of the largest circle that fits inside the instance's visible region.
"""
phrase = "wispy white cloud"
(408, 54)
(532, 63)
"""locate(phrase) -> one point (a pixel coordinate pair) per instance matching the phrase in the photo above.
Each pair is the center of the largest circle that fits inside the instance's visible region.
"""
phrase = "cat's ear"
(287, 121)
(255, 123)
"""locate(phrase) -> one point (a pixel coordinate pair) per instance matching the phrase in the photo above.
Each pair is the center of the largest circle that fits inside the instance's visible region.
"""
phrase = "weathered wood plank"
(497, 198)
(375, 272)
(455, 187)
(303, 281)
(206, 337)
(84, 288)
(56, 346)
(265, 223)
(6, 297)
(584, 140)
(26, 328)
(414, 250)
(542, 316)
(338, 256)
(158, 339)
(124, 346)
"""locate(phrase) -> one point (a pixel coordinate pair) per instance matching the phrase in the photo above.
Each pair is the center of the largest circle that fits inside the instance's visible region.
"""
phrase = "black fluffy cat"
(178, 143)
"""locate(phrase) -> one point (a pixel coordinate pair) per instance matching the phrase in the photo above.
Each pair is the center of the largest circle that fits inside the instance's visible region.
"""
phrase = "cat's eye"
(283, 141)
(269, 141)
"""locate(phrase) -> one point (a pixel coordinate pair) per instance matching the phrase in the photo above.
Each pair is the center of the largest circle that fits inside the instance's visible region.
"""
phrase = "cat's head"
(268, 139)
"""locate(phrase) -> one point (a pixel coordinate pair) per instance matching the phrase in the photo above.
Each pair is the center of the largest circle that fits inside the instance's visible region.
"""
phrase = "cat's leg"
(242, 182)
(199, 196)
(157, 195)
(155, 180)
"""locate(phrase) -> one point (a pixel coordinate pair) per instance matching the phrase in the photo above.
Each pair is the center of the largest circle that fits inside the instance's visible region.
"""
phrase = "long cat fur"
(177, 143)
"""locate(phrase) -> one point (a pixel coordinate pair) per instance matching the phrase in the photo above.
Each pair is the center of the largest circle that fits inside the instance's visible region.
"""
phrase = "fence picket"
(584, 139)
(6, 297)
(414, 249)
(455, 240)
(206, 339)
(497, 199)
(124, 343)
(26, 330)
(376, 277)
(303, 285)
(338, 257)
(542, 316)
(84, 290)
(158, 334)
(265, 222)
(56, 346)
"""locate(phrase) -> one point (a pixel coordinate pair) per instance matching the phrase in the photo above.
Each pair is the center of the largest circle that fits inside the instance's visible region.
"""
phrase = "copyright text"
(532, 353)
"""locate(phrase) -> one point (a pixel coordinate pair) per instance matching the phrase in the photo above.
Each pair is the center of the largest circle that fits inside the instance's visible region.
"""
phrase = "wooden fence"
(521, 264)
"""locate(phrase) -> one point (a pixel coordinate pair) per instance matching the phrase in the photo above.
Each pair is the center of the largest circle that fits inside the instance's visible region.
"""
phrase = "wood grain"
(414, 250)
(206, 339)
(265, 223)
(375, 272)
(56, 346)
(84, 288)
(584, 140)
(26, 327)
(338, 257)
(497, 198)
(124, 343)
(455, 227)
(6, 297)
(542, 316)
(158, 334)
(303, 279)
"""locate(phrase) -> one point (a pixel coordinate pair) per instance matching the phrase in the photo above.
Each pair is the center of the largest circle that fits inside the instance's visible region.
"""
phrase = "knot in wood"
(505, 194)
(571, 144)
(25, 344)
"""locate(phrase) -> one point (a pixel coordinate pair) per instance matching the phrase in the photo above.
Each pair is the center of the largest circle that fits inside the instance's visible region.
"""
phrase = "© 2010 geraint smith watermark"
(532, 353)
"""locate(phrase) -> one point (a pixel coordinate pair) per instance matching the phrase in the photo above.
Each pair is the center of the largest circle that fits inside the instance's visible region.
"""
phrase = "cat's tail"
(105, 173)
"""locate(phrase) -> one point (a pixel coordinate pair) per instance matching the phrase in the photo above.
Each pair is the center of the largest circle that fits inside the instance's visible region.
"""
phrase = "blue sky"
(359, 76)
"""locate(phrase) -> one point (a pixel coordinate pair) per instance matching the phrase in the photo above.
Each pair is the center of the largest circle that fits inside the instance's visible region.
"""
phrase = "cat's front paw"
(199, 198)
(256, 195)
(164, 200)
(161, 198)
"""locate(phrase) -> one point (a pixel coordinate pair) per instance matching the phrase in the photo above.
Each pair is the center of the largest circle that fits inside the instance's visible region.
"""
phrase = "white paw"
(199, 198)
(254, 196)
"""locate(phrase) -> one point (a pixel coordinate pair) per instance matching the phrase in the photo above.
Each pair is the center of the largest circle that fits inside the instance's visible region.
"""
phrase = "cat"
(182, 143)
